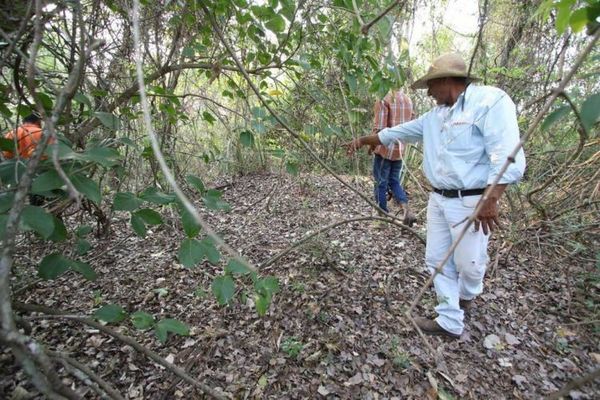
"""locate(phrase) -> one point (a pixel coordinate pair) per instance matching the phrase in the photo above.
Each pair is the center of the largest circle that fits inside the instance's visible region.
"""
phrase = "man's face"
(439, 89)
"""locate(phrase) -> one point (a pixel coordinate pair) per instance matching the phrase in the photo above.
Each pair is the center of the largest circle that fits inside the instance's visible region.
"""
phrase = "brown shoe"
(431, 327)
(466, 305)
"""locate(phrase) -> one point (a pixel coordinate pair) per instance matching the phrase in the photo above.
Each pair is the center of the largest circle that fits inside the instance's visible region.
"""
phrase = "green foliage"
(292, 347)
(110, 313)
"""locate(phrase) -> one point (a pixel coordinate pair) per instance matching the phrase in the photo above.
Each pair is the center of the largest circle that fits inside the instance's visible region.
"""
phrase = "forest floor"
(336, 329)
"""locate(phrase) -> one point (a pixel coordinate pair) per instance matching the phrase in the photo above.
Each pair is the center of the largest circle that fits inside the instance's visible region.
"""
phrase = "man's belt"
(452, 193)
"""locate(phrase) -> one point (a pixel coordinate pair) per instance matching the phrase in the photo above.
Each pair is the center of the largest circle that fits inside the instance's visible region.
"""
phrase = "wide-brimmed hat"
(447, 65)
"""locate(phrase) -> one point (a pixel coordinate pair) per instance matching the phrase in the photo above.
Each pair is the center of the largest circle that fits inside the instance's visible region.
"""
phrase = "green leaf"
(208, 117)
(104, 156)
(223, 288)
(291, 167)
(82, 99)
(247, 138)
(83, 231)
(84, 269)
(191, 252)
(60, 233)
(590, 111)
(153, 195)
(196, 182)
(212, 200)
(53, 265)
(555, 116)
(276, 23)
(11, 171)
(190, 227)
(7, 144)
(211, 252)
(126, 201)
(235, 267)
(262, 304)
(579, 19)
(39, 220)
(562, 16)
(110, 313)
(46, 182)
(108, 120)
(142, 320)
(87, 187)
(6, 201)
(267, 286)
(163, 327)
(149, 216)
(138, 225)
(83, 246)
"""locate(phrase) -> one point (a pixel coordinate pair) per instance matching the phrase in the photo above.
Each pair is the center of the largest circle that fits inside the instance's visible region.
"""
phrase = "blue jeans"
(387, 174)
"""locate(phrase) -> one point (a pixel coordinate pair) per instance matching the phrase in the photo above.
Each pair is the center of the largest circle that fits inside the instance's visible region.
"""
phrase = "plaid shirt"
(394, 109)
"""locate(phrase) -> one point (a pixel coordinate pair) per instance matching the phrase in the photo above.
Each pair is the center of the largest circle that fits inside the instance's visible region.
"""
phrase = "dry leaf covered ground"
(335, 329)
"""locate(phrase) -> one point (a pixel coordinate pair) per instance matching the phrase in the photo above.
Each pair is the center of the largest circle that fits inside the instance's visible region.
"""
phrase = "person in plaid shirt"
(394, 109)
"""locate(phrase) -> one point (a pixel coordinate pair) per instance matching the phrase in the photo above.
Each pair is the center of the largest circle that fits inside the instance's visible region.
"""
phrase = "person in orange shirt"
(27, 136)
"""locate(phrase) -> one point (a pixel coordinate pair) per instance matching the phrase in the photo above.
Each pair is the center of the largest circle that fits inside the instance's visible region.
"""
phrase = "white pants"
(462, 275)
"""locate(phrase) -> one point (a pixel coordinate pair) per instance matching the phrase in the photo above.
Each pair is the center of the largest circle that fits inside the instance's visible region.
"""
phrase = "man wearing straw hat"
(466, 138)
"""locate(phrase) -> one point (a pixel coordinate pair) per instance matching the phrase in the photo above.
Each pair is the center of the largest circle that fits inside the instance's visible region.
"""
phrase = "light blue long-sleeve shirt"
(465, 145)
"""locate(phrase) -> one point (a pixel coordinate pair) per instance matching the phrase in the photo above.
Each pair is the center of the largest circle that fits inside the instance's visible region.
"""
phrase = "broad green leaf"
(247, 138)
(562, 16)
(262, 304)
(6, 201)
(11, 171)
(83, 231)
(7, 144)
(163, 327)
(555, 116)
(212, 200)
(276, 23)
(267, 286)
(196, 183)
(82, 99)
(352, 85)
(149, 216)
(84, 269)
(174, 326)
(46, 182)
(126, 201)
(208, 117)
(108, 120)
(105, 156)
(53, 265)
(87, 187)
(60, 233)
(211, 252)
(138, 225)
(39, 220)
(291, 167)
(153, 195)
(110, 313)
(191, 252)
(223, 288)
(236, 267)
(142, 320)
(578, 20)
(190, 226)
(83, 246)
(590, 111)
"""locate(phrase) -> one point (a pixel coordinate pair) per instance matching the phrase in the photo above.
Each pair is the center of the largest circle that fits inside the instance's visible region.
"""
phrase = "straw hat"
(447, 65)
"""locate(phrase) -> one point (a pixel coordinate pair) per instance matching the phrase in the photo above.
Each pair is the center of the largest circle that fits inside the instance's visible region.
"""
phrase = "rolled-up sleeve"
(501, 136)
(411, 131)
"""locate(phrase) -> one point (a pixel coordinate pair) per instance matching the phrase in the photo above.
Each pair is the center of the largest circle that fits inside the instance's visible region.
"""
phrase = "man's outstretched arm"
(370, 140)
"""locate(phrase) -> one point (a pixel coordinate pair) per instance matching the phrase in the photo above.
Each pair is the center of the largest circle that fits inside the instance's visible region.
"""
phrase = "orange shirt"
(394, 109)
(28, 136)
